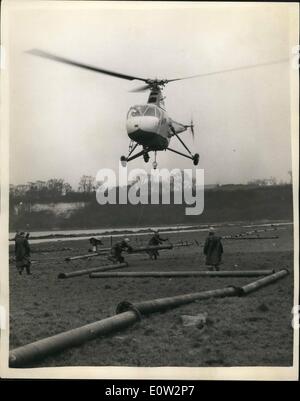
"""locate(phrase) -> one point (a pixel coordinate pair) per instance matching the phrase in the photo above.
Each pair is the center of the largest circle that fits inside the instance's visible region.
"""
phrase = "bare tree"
(55, 186)
(66, 188)
(86, 184)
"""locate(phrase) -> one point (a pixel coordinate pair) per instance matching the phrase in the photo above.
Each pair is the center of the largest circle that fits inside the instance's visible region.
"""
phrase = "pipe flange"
(238, 290)
(126, 306)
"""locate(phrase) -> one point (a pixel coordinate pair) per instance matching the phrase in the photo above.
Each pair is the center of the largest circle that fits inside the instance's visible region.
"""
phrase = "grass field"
(251, 331)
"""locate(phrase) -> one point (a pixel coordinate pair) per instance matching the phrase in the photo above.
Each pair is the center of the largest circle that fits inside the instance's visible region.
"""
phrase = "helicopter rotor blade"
(43, 54)
(141, 88)
(246, 67)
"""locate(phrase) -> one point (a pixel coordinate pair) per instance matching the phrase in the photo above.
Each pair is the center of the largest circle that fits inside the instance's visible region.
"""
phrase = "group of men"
(213, 250)
(124, 245)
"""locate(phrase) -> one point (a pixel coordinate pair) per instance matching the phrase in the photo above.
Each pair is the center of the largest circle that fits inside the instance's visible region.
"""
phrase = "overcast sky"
(66, 122)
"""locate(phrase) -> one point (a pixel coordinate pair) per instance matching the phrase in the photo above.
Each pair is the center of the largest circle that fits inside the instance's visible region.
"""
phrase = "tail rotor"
(192, 129)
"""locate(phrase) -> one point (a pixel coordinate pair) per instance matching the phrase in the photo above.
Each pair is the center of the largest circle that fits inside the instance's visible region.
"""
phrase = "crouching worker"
(22, 253)
(95, 242)
(117, 249)
(213, 250)
(155, 240)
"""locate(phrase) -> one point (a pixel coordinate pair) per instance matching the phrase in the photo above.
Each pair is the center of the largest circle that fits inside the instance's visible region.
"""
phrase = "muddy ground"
(250, 331)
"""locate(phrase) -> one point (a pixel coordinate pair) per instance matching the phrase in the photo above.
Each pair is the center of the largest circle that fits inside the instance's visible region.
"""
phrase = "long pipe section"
(161, 304)
(127, 315)
(256, 285)
(40, 349)
(92, 269)
(246, 238)
(151, 248)
(134, 250)
(192, 273)
(88, 255)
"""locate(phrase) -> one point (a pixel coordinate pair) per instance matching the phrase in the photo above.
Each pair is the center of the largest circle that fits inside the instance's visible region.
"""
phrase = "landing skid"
(194, 157)
(145, 153)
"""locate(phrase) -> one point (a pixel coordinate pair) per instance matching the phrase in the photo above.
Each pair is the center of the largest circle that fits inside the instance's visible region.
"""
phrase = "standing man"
(117, 249)
(213, 250)
(22, 252)
(155, 240)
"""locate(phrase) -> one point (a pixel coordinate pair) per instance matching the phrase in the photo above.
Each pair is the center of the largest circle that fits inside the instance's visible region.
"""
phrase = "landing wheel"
(123, 161)
(196, 159)
(146, 157)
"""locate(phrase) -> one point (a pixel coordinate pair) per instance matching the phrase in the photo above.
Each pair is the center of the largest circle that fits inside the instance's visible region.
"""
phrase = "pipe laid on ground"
(127, 315)
(91, 270)
(40, 349)
(192, 273)
(87, 256)
(150, 248)
(162, 304)
(186, 243)
(90, 255)
(246, 238)
(247, 289)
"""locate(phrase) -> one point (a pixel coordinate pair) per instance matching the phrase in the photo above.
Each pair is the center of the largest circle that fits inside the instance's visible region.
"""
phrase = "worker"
(22, 252)
(95, 242)
(213, 250)
(155, 240)
(118, 248)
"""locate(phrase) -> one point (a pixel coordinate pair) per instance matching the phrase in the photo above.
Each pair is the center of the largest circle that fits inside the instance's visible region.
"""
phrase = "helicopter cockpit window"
(158, 113)
(136, 111)
(150, 111)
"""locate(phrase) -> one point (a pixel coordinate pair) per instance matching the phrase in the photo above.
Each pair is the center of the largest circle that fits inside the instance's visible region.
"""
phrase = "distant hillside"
(232, 203)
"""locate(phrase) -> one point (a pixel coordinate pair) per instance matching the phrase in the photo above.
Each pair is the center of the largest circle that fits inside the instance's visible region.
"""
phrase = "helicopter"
(149, 125)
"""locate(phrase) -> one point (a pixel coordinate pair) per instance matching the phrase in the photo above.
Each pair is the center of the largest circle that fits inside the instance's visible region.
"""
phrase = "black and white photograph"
(149, 190)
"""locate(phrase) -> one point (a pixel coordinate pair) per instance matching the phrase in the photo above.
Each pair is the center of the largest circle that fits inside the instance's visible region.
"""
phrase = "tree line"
(57, 189)
(53, 190)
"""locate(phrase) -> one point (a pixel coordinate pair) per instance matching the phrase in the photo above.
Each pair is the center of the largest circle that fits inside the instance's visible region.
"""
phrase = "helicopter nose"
(144, 124)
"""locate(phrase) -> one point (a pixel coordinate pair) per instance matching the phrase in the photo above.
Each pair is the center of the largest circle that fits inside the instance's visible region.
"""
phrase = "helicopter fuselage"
(149, 126)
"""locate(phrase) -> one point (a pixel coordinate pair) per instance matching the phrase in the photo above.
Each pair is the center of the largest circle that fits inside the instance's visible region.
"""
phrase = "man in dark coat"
(117, 249)
(213, 250)
(22, 252)
(155, 240)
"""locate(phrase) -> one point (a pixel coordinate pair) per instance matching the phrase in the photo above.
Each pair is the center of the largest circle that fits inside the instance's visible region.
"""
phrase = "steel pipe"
(87, 256)
(40, 349)
(185, 243)
(247, 289)
(90, 255)
(127, 314)
(151, 248)
(91, 270)
(249, 238)
(161, 304)
(192, 273)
